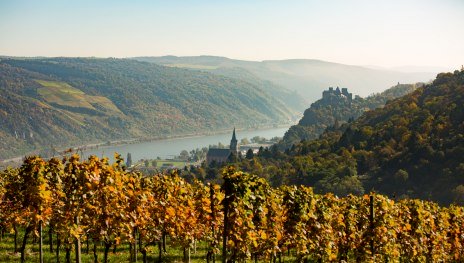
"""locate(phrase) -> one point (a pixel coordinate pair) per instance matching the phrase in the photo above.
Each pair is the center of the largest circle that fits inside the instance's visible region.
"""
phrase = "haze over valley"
(307, 77)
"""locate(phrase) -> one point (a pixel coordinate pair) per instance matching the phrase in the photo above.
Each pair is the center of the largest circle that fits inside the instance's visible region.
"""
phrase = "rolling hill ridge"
(306, 77)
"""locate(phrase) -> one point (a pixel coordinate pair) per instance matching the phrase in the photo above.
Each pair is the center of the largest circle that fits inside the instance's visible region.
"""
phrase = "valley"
(231, 131)
(71, 102)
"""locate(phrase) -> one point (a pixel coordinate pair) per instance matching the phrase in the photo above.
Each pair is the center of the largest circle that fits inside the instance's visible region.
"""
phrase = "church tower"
(233, 143)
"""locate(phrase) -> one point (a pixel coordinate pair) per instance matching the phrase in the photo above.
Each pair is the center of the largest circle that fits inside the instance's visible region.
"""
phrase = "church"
(222, 155)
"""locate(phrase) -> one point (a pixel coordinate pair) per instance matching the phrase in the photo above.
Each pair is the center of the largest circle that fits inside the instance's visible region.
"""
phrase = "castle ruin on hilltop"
(332, 95)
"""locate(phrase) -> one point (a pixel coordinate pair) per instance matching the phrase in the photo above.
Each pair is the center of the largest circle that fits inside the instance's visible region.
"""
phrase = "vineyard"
(76, 202)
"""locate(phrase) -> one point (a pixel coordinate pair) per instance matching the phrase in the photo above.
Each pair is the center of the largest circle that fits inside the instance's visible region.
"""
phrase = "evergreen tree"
(249, 154)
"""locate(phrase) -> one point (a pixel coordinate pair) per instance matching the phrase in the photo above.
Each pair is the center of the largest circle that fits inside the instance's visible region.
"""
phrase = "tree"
(244, 141)
(184, 155)
(458, 193)
(249, 154)
(258, 139)
(401, 176)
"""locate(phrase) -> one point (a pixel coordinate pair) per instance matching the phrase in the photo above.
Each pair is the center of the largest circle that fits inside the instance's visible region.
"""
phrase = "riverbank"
(172, 137)
(101, 146)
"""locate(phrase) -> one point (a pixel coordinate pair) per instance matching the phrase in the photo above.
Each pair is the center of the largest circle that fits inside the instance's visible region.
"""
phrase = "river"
(169, 148)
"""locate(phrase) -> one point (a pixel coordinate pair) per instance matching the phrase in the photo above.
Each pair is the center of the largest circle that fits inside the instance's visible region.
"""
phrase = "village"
(212, 155)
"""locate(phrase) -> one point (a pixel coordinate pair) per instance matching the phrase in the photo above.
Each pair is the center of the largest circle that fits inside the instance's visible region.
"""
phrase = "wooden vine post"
(227, 187)
(41, 259)
(78, 242)
(213, 217)
(371, 220)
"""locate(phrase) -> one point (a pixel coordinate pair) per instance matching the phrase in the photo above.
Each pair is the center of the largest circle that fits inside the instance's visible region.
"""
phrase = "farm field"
(63, 94)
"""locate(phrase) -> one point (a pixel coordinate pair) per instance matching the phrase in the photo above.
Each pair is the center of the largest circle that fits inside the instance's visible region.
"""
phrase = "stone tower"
(233, 143)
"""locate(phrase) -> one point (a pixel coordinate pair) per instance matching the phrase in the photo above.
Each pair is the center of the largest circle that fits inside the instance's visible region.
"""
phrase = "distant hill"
(55, 102)
(335, 109)
(291, 99)
(307, 77)
(235, 69)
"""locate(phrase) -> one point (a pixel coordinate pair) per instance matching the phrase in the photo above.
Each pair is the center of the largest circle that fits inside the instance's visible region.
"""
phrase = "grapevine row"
(243, 218)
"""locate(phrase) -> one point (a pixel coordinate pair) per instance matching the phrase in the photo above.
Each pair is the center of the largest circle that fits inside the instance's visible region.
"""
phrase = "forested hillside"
(336, 109)
(57, 102)
(412, 147)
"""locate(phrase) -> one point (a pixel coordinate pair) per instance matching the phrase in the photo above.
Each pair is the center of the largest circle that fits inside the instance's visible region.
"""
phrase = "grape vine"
(95, 201)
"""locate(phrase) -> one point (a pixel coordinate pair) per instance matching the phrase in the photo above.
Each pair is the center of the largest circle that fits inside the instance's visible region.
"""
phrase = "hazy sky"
(385, 33)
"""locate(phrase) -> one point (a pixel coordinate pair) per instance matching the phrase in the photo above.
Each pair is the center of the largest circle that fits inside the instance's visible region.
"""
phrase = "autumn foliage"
(93, 199)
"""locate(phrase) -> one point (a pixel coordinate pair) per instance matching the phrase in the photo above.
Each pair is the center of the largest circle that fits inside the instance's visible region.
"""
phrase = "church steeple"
(233, 143)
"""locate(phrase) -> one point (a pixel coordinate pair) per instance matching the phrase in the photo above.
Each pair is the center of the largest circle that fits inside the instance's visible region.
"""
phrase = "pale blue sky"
(361, 32)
